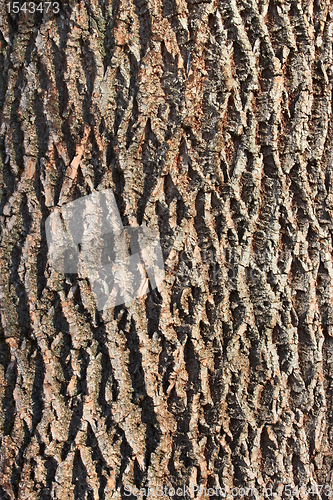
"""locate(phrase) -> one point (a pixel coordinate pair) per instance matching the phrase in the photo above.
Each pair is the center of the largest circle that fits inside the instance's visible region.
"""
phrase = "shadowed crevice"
(8, 402)
(174, 91)
(19, 460)
(60, 324)
(74, 425)
(79, 479)
(61, 169)
(15, 122)
(152, 158)
(60, 66)
(37, 389)
(3, 494)
(88, 63)
(96, 160)
(42, 255)
(118, 178)
(125, 453)
(102, 469)
(134, 89)
(4, 67)
(108, 388)
(51, 466)
(83, 359)
(22, 304)
(199, 220)
(140, 396)
(43, 136)
(192, 364)
(8, 177)
(153, 311)
(31, 43)
(67, 135)
(109, 41)
(143, 13)
(166, 233)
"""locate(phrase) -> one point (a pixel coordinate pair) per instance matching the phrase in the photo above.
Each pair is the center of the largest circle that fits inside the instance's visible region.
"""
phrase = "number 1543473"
(32, 7)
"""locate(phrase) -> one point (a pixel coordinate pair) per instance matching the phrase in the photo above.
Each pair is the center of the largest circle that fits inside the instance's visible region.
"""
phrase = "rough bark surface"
(212, 122)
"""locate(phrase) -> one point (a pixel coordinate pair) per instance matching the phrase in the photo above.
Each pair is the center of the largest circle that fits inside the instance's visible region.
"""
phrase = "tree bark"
(212, 122)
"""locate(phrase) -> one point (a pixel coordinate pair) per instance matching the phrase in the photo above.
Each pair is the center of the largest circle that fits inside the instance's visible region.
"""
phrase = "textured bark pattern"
(212, 122)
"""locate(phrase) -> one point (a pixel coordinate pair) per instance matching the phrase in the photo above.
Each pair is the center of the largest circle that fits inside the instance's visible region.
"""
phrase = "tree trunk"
(211, 121)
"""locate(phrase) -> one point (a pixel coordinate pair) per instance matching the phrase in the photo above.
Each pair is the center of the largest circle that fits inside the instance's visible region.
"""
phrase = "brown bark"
(211, 122)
